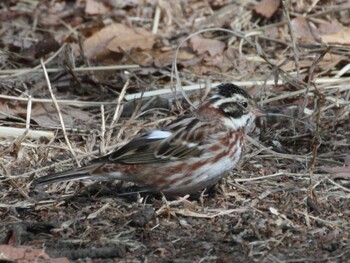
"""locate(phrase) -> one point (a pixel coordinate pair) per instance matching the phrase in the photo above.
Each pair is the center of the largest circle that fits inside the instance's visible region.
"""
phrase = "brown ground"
(288, 201)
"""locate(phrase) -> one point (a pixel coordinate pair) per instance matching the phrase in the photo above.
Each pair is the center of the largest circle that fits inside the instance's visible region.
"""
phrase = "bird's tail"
(84, 172)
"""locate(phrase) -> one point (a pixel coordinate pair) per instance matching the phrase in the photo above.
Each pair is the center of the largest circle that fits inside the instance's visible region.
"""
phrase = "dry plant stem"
(159, 92)
(258, 178)
(267, 253)
(298, 92)
(17, 72)
(82, 51)
(20, 189)
(316, 59)
(156, 20)
(75, 103)
(328, 222)
(286, 76)
(331, 10)
(72, 30)
(291, 117)
(208, 213)
(166, 206)
(312, 6)
(117, 112)
(58, 112)
(103, 131)
(137, 109)
(17, 142)
(37, 68)
(316, 140)
(86, 61)
(315, 145)
(29, 111)
(299, 158)
(9, 132)
(174, 70)
(21, 134)
(82, 156)
(338, 185)
(292, 36)
(344, 70)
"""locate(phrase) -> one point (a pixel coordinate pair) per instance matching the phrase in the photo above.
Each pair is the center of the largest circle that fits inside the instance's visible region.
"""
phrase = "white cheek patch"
(242, 122)
(157, 134)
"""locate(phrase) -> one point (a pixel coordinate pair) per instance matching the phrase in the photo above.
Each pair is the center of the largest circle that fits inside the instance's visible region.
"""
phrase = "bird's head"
(237, 107)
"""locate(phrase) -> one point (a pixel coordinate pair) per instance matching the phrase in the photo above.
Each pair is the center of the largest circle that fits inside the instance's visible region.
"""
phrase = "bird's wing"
(177, 141)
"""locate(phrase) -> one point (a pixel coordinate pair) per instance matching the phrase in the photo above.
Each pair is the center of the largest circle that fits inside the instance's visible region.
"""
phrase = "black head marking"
(227, 90)
(231, 109)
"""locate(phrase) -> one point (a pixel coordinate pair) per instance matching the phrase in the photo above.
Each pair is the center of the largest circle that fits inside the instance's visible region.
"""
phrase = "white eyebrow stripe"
(221, 101)
(158, 134)
(234, 98)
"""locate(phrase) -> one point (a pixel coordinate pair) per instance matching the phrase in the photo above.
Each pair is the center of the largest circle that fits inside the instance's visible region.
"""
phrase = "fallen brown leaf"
(26, 254)
(329, 61)
(184, 58)
(339, 171)
(347, 160)
(205, 45)
(267, 8)
(341, 37)
(42, 48)
(271, 32)
(117, 38)
(304, 30)
(43, 114)
(329, 28)
(94, 7)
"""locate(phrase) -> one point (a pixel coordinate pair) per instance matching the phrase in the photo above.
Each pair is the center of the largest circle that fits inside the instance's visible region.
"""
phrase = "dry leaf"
(271, 32)
(339, 171)
(47, 45)
(347, 160)
(117, 4)
(329, 61)
(305, 30)
(267, 8)
(94, 7)
(216, 61)
(26, 254)
(341, 37)
(117, 37)
(184, 58)
(328, 28)
(204, 45)
(44, 114)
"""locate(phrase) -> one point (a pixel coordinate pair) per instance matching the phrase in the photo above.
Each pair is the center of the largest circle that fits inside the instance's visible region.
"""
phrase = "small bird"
(191, 153)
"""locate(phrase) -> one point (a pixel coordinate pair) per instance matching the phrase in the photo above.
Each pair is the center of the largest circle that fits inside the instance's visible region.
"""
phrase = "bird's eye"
(245, 104)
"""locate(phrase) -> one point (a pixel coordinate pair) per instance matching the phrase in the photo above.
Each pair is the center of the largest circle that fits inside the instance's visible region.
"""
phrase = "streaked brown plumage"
(193, 152)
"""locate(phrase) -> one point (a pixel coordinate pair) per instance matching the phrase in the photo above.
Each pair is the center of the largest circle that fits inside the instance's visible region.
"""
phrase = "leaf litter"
(287, 201)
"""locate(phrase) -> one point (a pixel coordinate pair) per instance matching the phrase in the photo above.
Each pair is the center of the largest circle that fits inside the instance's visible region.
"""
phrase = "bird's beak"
(259, 112)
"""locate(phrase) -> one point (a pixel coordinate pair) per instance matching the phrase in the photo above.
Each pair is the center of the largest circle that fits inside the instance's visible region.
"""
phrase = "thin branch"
(165, 91)
(292, 36)
(103, 131)
(156, 20)
(5, 73)
(9, 132)
(58, 112)
(118, 111)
